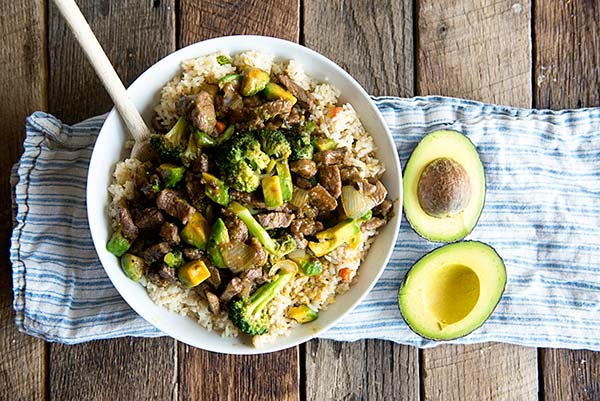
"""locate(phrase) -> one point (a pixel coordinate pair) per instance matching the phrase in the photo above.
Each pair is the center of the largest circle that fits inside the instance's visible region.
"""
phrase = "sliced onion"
(285, 265)
(238, 256)
(296, 254)
(355, 203)
(299, 197)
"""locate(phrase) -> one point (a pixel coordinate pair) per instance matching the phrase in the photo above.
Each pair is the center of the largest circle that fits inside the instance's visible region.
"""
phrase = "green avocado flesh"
(444, 187)
(452, 290)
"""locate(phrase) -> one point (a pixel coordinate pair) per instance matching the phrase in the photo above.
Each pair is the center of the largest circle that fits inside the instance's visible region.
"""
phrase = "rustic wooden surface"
(457, 57)
(567, 75)
(472, 48)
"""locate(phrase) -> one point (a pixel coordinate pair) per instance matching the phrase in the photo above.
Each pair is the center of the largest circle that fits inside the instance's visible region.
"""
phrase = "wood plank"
(373, 41)
(567, 56)
(273, 376)
(135, 34)
(200, 20)
(479, 50)
(23, 67)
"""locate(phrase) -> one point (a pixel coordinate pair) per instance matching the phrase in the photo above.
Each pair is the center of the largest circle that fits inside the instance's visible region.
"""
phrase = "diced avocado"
(118, 244)
(133, 266)
(271, 187)
(322, 144)
(193, 273)
(452, 290)
(347, 232)
(203, 139)
(273, 91)
(215, 189)
(228, 78)
(285, 180)
(196, 231)
(303, 314)
(444, 187)
(218, 235)
(253, 81)
(170, 174)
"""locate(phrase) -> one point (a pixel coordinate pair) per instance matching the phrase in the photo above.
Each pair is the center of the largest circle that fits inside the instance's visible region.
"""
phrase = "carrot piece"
(335, 111)
(345, 273)
(220, 127)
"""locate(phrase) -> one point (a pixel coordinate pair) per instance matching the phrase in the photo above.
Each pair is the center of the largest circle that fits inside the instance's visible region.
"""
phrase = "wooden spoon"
(107, 74)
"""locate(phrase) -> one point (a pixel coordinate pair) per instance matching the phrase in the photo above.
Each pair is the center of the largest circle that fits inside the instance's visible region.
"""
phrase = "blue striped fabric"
(542, 215)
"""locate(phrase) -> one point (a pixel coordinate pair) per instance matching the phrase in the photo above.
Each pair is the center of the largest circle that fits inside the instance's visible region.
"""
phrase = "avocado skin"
(406, 276)
(457, 237)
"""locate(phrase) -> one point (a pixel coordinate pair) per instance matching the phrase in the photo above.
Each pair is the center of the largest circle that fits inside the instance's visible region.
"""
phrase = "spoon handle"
(104, 69)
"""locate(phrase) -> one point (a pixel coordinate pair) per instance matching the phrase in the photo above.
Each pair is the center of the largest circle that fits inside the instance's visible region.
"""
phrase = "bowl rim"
(166, 61)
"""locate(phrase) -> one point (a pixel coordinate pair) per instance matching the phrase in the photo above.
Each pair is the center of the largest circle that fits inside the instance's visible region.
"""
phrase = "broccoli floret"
(191, 153)
(300, 141)
(240, 161)
(174, 259)
(274, 144)
(171, 145)
(254, 226)
(248, 313)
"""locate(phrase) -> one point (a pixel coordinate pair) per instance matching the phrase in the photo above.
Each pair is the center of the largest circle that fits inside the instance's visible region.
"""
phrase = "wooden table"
(544, 54)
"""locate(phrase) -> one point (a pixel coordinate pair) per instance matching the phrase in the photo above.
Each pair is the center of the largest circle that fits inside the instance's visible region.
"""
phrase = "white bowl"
(110, 149)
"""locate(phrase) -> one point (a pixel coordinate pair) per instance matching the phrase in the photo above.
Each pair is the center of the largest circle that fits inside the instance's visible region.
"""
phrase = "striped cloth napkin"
(542, 215)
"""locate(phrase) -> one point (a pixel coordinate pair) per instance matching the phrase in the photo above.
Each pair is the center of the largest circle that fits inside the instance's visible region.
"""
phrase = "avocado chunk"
(253, 81)
(303, 314)
(118, 244)
(196, 231)
(193, 273)
(215, 189)
(272, 192)
(133, 266)
(444, 187)
(273, 91)
(346, 232)
(452, 290)
(170, 174)
(218, 235)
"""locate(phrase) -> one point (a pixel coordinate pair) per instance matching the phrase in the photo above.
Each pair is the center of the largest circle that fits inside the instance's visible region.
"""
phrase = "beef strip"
(199, 109)
(374, 223)
(193, 253)
(305, 98)
(275, 220)
(384, 209)
(252, 101)
(232, 289)
(168, 273)
(155, 252)
(379, 193)
(148, 188)
(174, 205)
(238, 231)
(149, 219)
(170, 233)
(243, 197)
(319, 197)
(249, 279)
(213, 302)
(128, 228)
(329, 177)
(201, 164)
(305, 168)
(272, 109)
(330, 157)
(301, 227)
(260, 256)
(350, 175)
(296, 116)
(194, 188)
(303, 183)
(215, 277)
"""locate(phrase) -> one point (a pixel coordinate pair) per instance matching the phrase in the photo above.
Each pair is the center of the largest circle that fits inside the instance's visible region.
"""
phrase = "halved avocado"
(452, 290)
(444, 187)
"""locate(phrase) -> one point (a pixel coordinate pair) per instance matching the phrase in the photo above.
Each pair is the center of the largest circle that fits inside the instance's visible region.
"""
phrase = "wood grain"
(273, 376)
(22, 88)
(134, 34)
(566, 75)
(464, 50)
(211, 18)
(373, 41)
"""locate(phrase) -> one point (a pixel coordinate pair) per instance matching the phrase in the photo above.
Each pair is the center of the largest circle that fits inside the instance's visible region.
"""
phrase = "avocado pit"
(444, 188)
